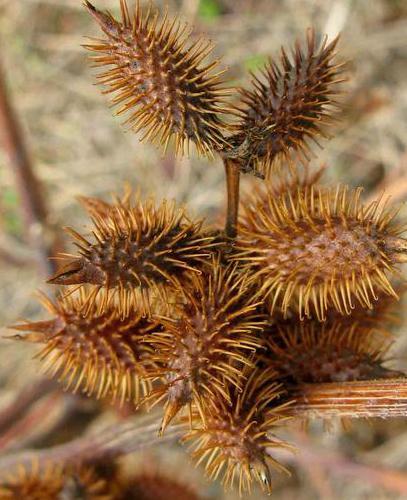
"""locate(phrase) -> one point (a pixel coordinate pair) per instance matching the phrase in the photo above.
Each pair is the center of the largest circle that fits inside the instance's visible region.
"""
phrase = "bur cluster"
(159, 309)
(54, 481)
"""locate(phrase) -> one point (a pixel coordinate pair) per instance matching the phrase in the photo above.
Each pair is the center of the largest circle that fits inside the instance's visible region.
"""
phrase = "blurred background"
(77, 148)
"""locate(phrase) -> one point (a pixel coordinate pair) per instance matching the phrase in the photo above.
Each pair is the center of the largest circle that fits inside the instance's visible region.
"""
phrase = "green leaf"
(209, 10)
(10, 198)
(11, 216)
(255, 62)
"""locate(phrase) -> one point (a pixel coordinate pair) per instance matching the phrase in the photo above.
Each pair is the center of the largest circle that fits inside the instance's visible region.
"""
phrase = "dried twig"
(23, 400)
(33, 206)
(382, 398)
(31, 422)
(136, 435)
(109, 443)
(233, 185)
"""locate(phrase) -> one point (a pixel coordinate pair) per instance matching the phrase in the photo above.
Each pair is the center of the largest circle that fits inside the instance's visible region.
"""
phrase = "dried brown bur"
(292, 303)
(138, 249)
(52, 481)
(236, 440)
(320, 249)
(102, 353)
(160, 79)
(313, 352)
(206, 343)
(288, 107)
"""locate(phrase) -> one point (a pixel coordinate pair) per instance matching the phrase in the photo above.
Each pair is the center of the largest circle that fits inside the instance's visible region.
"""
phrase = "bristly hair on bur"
(137, 249)
(207, 341)
(288, 107)
(314, 352)
(51, 480)
(102, 353)
(237, 439)
(319, 249)
(160, 79)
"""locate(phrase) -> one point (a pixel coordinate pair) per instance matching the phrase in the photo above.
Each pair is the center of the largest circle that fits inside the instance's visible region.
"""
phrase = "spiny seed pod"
(34, 483)
(237, 438)
(320, 249)
(102, 353)
(86, 483)
(159, 79)
(281, 115)
(155, 486)
(312, 352)
(52, 481)
(212, 336)
(137, 248)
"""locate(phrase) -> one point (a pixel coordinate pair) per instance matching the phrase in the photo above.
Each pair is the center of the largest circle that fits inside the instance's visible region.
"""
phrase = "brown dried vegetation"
(162, 310)
(320, 249)
(160, 78)
(53, 481)
(289, 106)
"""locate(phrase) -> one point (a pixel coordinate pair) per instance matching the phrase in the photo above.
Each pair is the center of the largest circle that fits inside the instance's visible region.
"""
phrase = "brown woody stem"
(375, 398)
(107, 444)
(382, 398)
(23, 400)
(232, 186)
(33, 206)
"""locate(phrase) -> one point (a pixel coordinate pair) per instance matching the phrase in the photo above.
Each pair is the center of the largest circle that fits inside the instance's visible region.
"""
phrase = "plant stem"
(373, 398)
(34, 210)
(382, 398)
(107, 444)
(232, 185)
(22, 402)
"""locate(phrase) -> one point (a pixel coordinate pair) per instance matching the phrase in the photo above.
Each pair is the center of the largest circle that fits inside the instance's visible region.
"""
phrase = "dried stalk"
(132, 436)
(382, 398)
(107, 444)
(378, 398)
(23, 401)
(34, 210)
(232, 186)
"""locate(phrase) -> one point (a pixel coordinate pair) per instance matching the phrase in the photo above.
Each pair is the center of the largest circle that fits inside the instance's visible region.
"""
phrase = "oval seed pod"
(138, 248)
(210, 338)
(87, 483)
(313, 352)
(288, 107)
(52, 481)
(320, 249)
(102, 353)
(160, 79)
(33, 482)
(236, 439)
